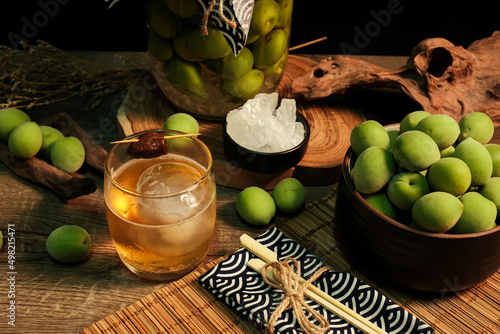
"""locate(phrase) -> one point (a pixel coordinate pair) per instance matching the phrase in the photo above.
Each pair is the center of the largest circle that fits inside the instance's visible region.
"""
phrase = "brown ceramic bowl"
(408, 257)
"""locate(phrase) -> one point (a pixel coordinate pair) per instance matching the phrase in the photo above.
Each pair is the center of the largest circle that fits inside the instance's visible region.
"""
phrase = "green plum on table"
(289, 195)
(182, 122)
(25, 140)
(10, 118)
(255, 205)
(49, 136)
(68, 244)
(67, 154)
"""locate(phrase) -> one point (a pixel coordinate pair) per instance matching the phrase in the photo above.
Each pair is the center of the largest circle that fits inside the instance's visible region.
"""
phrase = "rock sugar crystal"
(263, 126)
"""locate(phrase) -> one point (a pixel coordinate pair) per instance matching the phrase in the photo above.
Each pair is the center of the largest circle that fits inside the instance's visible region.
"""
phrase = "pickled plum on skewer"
(149, 145)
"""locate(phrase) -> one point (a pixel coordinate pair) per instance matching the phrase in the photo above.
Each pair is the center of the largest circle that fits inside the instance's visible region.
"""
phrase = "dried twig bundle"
(42, 74)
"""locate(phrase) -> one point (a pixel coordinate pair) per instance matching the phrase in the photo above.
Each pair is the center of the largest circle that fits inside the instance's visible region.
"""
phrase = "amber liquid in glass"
(165, 236)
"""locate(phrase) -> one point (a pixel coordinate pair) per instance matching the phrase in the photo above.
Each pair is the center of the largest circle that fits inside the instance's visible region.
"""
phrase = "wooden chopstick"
(313, 292)
(258, 249)
(166, 137)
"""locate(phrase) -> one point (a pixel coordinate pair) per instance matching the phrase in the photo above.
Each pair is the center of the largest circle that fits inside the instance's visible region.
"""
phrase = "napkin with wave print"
(244, 290)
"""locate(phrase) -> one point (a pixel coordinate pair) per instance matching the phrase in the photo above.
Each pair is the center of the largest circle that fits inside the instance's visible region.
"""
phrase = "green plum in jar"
(195, 63)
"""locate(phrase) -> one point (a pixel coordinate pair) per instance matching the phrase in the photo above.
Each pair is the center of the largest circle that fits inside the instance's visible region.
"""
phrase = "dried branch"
(42, 74)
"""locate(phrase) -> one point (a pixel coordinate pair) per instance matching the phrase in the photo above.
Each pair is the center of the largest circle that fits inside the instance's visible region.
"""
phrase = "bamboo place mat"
(185, 307)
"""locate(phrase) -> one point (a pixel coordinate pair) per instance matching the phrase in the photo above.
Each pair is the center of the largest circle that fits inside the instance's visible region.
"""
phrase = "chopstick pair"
(314, 293)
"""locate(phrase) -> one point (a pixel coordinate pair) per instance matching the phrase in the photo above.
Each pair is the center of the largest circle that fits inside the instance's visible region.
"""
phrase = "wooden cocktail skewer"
(307, 43)
(166, 137)
(314, 293)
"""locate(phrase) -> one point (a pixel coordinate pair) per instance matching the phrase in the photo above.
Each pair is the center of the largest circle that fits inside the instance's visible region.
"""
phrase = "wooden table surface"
(54, 298)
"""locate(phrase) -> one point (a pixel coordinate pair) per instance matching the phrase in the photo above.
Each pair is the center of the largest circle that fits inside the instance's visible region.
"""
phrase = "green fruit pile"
(27, 139)
(204, 67)
(256, 206)
(434, 174)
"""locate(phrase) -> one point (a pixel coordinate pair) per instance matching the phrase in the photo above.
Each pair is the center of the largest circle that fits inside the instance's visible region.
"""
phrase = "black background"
(90, 25)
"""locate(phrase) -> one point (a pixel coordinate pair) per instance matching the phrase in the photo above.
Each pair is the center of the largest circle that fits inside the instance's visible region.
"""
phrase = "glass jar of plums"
(195, 63)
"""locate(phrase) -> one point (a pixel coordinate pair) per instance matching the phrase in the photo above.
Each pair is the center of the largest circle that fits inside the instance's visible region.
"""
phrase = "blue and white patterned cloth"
(244, 290)
(239, 11)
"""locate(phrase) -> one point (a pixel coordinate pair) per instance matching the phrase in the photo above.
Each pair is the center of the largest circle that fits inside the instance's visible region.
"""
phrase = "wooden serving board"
(331, 125)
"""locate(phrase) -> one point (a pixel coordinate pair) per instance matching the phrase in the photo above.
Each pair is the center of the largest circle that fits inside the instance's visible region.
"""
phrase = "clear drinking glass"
(161, 211)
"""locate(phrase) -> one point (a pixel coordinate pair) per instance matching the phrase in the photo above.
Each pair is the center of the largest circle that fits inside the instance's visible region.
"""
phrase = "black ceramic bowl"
(263, 162)
(408, 257)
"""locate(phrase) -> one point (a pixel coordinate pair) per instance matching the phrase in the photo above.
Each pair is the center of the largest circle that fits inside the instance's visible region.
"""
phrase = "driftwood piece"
(66, 186)
(439, 76)
(36, 170)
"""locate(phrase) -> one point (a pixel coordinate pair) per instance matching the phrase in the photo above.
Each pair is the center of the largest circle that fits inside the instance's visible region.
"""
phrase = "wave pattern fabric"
(244, 290)
(239, 11)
